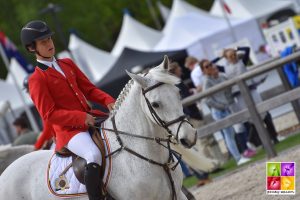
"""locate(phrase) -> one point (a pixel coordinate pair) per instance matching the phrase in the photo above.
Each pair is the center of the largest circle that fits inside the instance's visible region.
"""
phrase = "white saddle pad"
(58, 164)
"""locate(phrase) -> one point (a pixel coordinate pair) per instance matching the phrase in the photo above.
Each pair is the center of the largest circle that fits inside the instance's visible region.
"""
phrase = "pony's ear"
(139, 79)
(165, 63)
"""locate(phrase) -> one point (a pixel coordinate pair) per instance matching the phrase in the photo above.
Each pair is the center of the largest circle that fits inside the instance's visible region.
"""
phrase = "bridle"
(170, 164)
(161, 122)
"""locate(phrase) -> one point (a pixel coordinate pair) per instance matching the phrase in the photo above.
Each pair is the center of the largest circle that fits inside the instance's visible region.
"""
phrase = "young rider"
(60, 92)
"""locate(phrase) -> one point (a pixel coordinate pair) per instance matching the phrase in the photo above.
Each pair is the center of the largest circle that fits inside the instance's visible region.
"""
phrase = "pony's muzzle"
(186, 143)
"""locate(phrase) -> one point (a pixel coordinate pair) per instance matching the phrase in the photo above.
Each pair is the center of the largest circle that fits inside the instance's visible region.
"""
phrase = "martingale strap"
(168, 166)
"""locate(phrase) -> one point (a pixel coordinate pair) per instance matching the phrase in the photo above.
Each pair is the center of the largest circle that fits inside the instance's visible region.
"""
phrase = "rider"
(60, 92)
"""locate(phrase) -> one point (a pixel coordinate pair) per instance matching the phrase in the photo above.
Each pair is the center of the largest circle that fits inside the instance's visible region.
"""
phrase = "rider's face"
(45, 47)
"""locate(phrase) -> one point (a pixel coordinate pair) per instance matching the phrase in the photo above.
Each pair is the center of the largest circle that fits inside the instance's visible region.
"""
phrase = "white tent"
(181, 8)
(136, 36)
(250, 8)
(203, 34)
(64, 54)
(94, 62)
(10, 93)
(18, 71)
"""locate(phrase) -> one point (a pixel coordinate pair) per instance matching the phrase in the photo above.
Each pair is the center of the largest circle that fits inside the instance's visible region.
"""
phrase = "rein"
(166, 166)
(169, 165)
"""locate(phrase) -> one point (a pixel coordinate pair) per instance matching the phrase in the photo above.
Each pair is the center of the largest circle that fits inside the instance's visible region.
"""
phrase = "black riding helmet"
(34, 30)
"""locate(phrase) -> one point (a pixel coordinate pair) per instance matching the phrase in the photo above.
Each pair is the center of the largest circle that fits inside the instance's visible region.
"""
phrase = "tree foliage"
(95, 21)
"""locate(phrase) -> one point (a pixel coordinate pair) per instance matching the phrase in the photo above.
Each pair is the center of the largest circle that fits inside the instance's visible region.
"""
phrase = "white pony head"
(161, 103)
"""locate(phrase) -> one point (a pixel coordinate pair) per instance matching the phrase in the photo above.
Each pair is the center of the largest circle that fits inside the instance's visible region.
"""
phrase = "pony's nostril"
(184, 142)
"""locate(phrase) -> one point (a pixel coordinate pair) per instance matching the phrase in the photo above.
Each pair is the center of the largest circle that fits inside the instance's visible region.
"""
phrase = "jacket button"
(76, 94)
(71, 85)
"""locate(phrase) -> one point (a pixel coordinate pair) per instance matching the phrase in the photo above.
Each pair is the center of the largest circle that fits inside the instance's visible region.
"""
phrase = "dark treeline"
(95, 21)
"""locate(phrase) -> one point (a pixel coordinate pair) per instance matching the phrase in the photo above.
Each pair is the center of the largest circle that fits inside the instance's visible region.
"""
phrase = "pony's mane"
(157, 73)
(122, 96)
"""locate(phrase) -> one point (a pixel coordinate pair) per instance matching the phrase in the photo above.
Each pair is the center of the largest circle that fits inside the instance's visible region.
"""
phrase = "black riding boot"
(93, 181)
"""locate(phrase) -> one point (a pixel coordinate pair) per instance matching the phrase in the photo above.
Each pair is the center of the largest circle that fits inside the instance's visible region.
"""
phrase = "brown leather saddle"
(79, 163)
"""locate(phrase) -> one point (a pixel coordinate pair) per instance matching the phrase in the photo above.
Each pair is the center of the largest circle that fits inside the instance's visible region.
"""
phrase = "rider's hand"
(110, 106)
(89, 121)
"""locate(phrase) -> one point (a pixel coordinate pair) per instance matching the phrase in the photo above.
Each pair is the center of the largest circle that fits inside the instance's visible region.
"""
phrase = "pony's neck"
(131, 118)
(130, 115)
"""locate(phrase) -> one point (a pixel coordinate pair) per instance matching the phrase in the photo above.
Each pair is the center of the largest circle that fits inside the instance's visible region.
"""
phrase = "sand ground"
(249, 182)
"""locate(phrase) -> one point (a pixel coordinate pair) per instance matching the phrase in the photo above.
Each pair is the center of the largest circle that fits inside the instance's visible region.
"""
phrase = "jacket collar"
(42, 66)
(51, 72)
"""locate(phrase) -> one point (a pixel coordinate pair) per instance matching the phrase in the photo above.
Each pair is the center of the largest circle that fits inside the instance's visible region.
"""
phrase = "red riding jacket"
(62, 101)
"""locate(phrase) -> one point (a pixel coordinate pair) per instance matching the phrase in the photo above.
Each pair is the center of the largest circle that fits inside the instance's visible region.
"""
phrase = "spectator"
(192, 111)
(196, 74)
(25, 135)
(235, 66)
(219, 103)
(291, 69)
(237, 59)
(206, 145)
(195, 117)
(262, 55)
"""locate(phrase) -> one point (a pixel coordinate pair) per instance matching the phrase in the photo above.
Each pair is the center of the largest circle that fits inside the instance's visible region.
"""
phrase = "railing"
(253, 111)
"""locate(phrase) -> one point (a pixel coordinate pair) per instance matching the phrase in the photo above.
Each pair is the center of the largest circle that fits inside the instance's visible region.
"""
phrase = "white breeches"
(83, 145)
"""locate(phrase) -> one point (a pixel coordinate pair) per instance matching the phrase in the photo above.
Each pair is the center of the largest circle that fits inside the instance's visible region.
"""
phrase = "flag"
(12, 52)
(226, 7)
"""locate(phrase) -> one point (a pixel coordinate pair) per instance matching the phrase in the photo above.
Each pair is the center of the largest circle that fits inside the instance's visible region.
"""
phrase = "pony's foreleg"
(186, 194)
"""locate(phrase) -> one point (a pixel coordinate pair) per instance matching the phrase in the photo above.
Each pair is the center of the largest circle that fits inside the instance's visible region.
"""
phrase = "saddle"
(79, 163)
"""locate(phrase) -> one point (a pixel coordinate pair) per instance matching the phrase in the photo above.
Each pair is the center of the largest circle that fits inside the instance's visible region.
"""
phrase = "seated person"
(25, 135)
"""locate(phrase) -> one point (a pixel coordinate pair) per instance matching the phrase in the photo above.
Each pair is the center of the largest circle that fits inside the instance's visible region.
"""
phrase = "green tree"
(95, 21)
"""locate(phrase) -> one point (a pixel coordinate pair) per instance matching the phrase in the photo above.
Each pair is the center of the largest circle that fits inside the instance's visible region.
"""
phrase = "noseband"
(161, 122)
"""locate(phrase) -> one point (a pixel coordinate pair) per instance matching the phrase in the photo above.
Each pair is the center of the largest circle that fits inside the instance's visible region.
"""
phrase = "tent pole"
(234, 37)
(27, 110)
(153, 14)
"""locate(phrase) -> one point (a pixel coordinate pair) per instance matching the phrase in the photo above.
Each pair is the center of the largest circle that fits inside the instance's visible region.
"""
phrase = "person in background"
(191, 111)
(200, 164)
(262, 55)
(237, 60)
(291, 69)
(219, 104)
(196, 74)
(25, 134)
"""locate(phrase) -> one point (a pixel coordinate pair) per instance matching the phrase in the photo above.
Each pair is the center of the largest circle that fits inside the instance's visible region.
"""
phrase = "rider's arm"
(46, 135)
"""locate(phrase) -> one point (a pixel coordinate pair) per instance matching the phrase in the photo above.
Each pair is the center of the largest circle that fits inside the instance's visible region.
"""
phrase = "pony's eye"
(155, 105)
